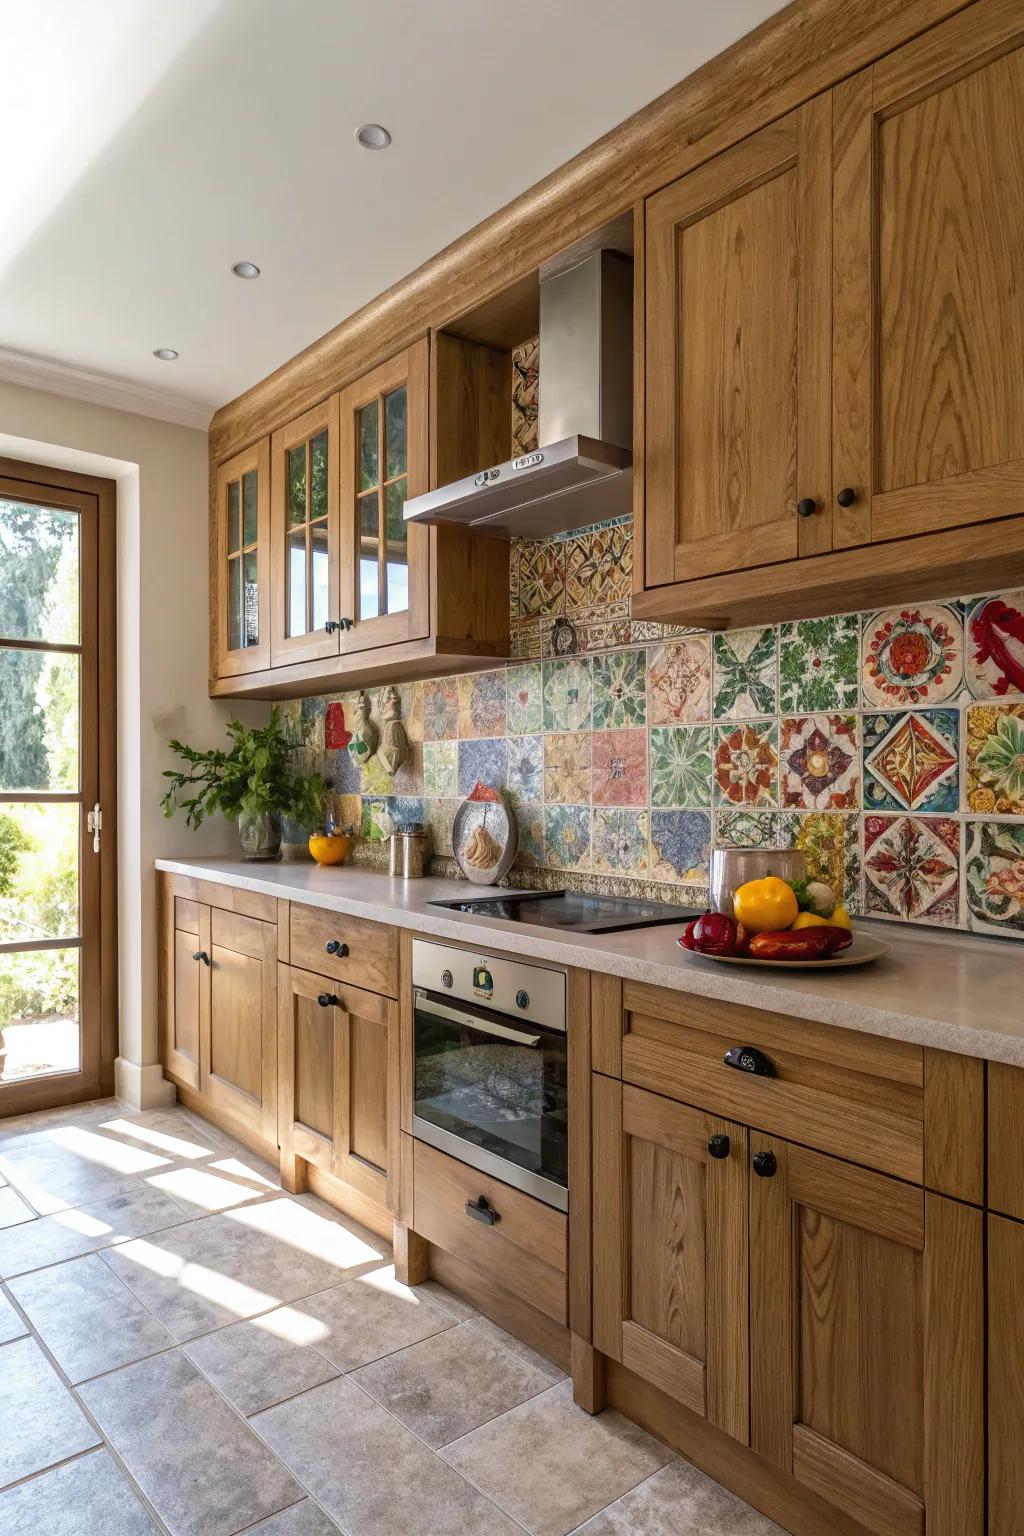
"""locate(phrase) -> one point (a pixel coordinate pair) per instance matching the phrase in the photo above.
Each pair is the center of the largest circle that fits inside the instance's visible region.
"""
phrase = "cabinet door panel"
(238, 1058)
(236, 1037)
(243, 562)
(305, 536)
(183, 1046)
(1006, 1371)
(368, 1110)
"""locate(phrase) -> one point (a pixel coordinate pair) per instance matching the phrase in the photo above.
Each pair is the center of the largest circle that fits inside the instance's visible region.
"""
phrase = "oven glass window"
(500, 1085)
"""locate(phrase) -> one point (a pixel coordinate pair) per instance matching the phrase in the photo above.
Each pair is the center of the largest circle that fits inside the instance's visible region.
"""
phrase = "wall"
(888, 746)
(161, 472)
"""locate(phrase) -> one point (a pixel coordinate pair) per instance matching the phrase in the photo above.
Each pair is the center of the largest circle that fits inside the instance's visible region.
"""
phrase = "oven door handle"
(473, 1021)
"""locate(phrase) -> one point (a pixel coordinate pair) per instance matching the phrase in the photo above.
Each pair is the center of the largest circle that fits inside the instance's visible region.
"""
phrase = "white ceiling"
(145, 146)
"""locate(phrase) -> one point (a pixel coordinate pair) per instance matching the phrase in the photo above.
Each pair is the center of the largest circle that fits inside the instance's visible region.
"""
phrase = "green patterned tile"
(620, 689)
(819, 664)
(441, 768)
(525, 699)
(746, 675)
(681, 770)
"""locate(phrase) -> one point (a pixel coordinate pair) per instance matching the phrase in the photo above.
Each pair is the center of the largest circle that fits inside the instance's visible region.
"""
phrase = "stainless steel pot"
(409, 853)
(733, 867)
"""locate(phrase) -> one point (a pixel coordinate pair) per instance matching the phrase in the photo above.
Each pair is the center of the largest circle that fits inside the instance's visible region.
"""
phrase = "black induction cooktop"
(569, 910)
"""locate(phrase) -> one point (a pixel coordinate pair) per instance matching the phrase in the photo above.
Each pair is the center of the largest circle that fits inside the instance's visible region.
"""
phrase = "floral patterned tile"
(525, 387)
(912, 760)
(912, 868)
(567, 759)
(530, 821)
(375, 808)
(830, 844)
(620, 767)
(567, 694)
(681, 770)
(541, 577)
(482, 762)
(621, 840)
(525, 768)
(913, 655)
(747, 764)
(994, 877)
(746, 673)
(819, 762)
(994, 644)
(440, 768)
(525, 699)
(567, 836)
(482, 704)
(747, 829)
(440, 709)
(681, 846)
(598, 569)
(440, 819)
(818, 664)
(620, 689)
(374, 778)
(995, 759)
(679, 681)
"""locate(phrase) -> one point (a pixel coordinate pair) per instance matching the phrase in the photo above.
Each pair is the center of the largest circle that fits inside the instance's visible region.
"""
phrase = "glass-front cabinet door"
(243, 561)
(384, 565)
(304, 537)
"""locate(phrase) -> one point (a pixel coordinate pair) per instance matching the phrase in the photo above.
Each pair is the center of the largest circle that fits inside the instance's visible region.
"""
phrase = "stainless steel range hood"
(581, 472)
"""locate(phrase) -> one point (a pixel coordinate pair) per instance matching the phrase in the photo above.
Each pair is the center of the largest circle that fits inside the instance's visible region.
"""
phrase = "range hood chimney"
(581, 471)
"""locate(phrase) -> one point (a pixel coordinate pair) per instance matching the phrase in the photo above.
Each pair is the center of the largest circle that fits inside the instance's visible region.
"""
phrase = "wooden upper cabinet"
(737, 355)
(242, 535)
(929, 281)
(305, 537)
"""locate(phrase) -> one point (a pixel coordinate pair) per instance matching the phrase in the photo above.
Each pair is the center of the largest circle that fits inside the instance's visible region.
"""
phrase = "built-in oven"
(489, 1069)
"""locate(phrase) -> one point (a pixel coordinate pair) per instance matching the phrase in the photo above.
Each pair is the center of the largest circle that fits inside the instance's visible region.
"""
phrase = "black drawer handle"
(718, 1146)
(327, 1000)
(765, 1165)
(336, 947)
(482, 1210)
(807, 506)
(747, 1058)
(847, 496)
(201, 954)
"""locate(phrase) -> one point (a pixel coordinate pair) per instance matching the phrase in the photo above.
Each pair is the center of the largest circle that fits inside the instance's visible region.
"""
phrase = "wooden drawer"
(525, 1250)
(372, 958)
(186, 915)
(854, 1096)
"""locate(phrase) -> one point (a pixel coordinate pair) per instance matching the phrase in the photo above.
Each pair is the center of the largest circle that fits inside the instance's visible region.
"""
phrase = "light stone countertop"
(952, 991)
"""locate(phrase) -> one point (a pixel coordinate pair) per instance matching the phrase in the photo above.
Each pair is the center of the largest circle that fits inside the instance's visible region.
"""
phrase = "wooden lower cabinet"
(1005, 1375)
(334, 1047)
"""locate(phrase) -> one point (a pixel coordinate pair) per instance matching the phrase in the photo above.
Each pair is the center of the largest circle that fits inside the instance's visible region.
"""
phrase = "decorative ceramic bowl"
(330, 850)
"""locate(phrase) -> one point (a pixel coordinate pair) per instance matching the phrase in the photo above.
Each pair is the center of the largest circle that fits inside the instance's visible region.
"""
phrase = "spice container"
(408, 850)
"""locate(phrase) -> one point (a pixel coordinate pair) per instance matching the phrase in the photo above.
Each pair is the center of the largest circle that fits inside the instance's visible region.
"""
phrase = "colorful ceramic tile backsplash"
(888, 746)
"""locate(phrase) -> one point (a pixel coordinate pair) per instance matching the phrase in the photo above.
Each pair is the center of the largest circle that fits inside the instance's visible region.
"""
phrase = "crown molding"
(101, 389)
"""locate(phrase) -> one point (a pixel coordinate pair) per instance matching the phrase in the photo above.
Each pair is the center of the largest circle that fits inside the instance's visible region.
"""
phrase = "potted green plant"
(255, 782)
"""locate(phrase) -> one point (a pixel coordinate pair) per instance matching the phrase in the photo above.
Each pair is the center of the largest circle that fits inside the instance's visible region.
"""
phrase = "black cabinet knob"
(747, 1058)
(847, 496)
(807, 506)
(336, 947)
(331, 625)
(201, 954)
(327, 1000)
(346, 623)
(482, 1210)
(765, 1165)
(718, 1146)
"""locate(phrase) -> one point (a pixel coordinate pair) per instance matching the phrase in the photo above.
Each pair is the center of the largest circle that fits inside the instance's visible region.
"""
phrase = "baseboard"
(510, 1312)
(351, 1202)
(142, 1087)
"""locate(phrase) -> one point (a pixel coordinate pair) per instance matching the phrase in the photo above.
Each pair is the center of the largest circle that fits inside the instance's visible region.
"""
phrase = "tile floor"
(186, 1349)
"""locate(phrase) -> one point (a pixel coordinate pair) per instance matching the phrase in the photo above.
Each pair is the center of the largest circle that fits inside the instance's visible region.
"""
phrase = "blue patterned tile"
(681, 846)
(567, 694)
(484, 761)
(530, 821)
(620, 841)
(525, 768)
(567, 836)
(406, 811)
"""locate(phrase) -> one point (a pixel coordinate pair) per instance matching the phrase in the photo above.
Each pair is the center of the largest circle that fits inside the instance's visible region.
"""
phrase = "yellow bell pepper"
(765, 906)
(840, 919)
(812, 920)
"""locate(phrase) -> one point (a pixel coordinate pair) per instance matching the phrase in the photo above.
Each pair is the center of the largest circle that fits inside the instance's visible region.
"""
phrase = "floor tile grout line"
(53, 1466)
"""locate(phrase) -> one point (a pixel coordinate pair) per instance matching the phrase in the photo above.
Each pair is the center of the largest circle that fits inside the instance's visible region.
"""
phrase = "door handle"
(765, 1165)
(481, 1209)
(336, 947)
(327, 1000)
(747, 1058)
(201, 954)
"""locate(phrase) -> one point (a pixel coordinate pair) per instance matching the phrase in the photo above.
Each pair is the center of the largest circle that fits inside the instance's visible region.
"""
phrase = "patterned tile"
(994, 876)
(912, 760)
(818, 664)
(747, 829)
(746, 764)
(440, 709)
(567, 768)
(541, 577)
(525, 768)
(819, 762)
(440, 819)
(525, 386)
(567, 836)
(374, 778)
(483, 762)
(620, 841)
(913, 655)
(482, 704)
(620, 689)
(995, 759)
(830, 844)
(681, 766)
(599, 570)
(374, 808)
(620, 767)
(407, 811)
(440, 768)
(679, 681)
(746, 673)
(525, 689)
(681, 846)
(567, 694)
(994, 645)
(911, 868)
(530, 821)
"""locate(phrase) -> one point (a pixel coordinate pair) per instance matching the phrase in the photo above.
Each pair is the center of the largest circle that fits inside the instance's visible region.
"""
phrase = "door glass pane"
(297, 484)
(296, 561)
(38, 720)
(368, 466)
(234, 520)
(318, 538)
(397, 547)
(318, 477)
(234, 604)
(39, 564)
(250, 499)
(38, 872)
(250, 601)
(369, 597)
(39, 1030)
(395, 431)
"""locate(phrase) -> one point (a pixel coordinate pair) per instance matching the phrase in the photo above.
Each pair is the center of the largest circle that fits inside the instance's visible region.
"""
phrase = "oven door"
(491, 1091)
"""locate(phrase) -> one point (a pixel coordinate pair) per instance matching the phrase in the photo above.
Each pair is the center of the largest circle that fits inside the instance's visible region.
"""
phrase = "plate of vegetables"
(774, 922)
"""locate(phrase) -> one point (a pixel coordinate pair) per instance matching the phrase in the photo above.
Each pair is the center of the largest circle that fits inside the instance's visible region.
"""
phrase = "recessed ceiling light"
(373, 136)
(165, 354)
(245, 269)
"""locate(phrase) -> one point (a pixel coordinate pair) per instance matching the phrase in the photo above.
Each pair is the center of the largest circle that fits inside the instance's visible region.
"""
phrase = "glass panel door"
(303, 517)
(243, 496)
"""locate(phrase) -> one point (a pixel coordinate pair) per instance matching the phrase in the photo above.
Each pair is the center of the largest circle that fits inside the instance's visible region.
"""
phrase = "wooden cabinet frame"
(252, 657)
(313, 646)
